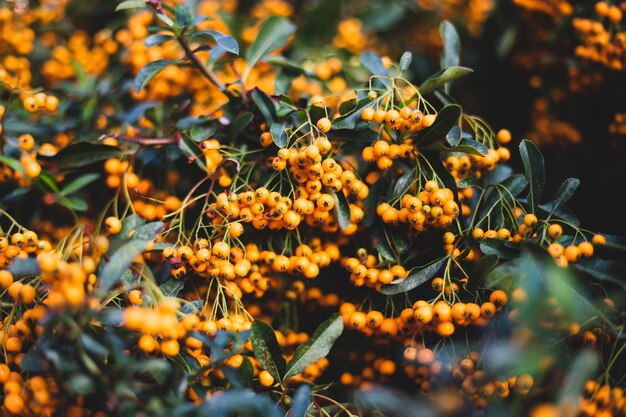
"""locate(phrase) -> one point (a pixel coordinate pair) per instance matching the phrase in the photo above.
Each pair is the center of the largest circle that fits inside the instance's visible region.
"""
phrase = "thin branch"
(207, 72)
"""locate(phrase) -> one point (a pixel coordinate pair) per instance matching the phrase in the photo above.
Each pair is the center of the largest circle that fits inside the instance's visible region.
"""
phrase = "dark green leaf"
(14, 164)
(79, 183)
(477, 275)
(157, 39)
(374, 65)
(341, 209)
(327, 11)
(317, 347)
(615, 242)
(191, 149)
(352, 118)
(24, 267)
(82, 154)
(603, 270)
(266, 106)
(171, 287)
(124, 256)
(150, 71)
(32, 361)
(279, 134)
(446, 119)
(266, 349)
(567, 190)
(381, 242)
(416, 277)
(534, 171)
(92, 346)
(442, 77)
(453, 137)
(273, 35)
(241, 122)
(500, 247)
(509, 271)
(226, 42)
(129, 224)
(382, 16)
(347, 106)
(403, 184)
(194, 306)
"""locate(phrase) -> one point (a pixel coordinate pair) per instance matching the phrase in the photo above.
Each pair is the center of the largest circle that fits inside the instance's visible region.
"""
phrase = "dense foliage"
(219, 209)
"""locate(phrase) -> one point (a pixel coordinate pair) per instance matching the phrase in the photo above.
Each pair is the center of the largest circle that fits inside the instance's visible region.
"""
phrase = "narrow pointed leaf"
(417, 277)
(317, 347)
(534, 171)
(266, 349)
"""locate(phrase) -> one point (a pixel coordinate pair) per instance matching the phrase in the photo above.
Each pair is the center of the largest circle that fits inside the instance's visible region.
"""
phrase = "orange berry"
(503, 136)
(266, 379)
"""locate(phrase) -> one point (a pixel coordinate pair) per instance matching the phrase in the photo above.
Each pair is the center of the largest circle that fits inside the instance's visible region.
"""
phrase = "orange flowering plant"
(202, 216)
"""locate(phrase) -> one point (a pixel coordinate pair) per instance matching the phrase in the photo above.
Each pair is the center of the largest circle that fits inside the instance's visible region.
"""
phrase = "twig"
(207, 72)
(145, 141)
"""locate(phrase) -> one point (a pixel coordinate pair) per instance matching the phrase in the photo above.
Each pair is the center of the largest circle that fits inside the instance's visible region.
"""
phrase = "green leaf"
(157, 39)
(226, 42)
(374, 64)
(24, 267)
(266, 105)
(534, 171)
(301, 401)
(273, 35)
(381, 242)
(130, 223)
(82, 154)
(171, 287)
(14, 164)
(191, 149)
(194, 306)
(603, 270)
(405, 61)
(317, 347)
(615, 242)
(508, 271)
(347, 106)
(279, 134)
(380, 16)
(74, 203)
(124, 256)
(130, 4)
(79, 183)
(240, 124)
(350, 119)
(341, 209)
(266, 349)
(149, 71)
(446, 119)
(443, 77)
(477, 275)
(450, 56)
(566, 191)
(500, 247)
(327, 11)
(403, 184)
(416, 277)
